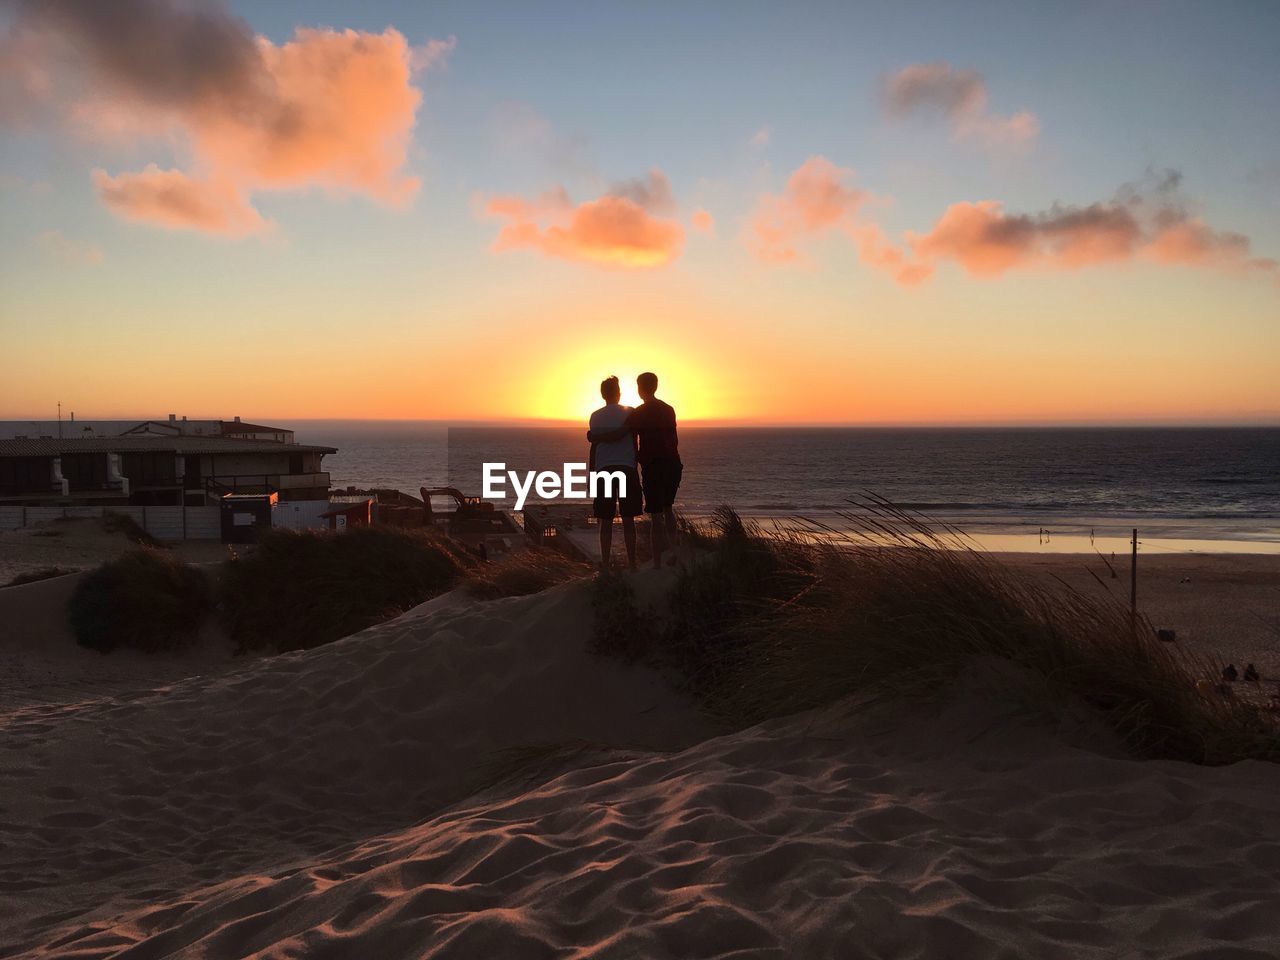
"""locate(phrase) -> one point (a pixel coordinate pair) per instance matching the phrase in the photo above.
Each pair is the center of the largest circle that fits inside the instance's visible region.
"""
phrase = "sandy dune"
(341, 803)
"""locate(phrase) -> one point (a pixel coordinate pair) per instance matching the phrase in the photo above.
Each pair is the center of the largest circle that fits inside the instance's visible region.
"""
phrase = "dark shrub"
(619, 629)
(145, 599)
(300, 590)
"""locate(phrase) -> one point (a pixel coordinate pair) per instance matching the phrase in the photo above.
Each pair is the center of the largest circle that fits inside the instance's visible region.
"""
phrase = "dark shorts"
(661, 481)
(604, 507)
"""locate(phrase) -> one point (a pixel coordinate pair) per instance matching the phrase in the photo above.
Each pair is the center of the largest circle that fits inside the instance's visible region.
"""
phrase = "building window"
(26, 474)
(85, 471)
(149, 469)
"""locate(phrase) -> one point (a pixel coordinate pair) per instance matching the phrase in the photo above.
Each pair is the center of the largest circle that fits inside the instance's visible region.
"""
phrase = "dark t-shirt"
(654, 424)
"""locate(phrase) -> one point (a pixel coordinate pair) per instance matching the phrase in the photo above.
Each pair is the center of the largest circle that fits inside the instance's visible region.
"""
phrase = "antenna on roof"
(59, 419)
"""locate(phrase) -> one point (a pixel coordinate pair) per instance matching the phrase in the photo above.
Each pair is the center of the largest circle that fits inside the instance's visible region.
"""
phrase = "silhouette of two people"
(643, 444)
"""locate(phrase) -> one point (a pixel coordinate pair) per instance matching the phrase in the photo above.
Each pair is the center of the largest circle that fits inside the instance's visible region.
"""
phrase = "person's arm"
(604, 436)
(607, 435)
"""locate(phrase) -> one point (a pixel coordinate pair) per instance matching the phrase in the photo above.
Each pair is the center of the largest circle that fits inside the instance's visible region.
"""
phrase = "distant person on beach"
(653, 424)
(618, 454)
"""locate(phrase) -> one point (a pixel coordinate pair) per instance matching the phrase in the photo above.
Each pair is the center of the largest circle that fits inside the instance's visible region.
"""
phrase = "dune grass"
(523, 572)
(301, 590)
(144, 599)
(618, 627)
(765, 626)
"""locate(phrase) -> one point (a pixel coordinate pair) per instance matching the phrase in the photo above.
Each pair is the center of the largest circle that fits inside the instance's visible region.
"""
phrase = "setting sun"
(569, 389)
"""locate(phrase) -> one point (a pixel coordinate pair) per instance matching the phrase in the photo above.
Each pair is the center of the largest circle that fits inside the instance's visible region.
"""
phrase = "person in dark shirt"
(658, 453)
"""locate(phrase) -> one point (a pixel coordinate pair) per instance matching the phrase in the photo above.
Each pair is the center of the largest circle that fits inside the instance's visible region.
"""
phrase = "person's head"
(610, 390)
(647, 385)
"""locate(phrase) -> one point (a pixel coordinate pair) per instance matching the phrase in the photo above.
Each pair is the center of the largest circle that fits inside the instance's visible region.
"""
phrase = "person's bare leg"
(658, 532)
(606, 543)
(629, 538)
(673, 531)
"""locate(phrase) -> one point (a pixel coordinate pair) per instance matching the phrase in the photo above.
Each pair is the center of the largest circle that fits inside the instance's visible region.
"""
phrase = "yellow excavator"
(469, 508)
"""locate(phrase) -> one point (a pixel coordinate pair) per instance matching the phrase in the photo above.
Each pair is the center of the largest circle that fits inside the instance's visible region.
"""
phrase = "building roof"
(239, 426)
(234, 498)
(340, 508)
(52, 446)
(40, 429)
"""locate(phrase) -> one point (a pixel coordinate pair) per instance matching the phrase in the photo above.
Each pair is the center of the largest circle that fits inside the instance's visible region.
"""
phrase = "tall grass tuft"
(301, 590)
(766, 626)
(145, 600)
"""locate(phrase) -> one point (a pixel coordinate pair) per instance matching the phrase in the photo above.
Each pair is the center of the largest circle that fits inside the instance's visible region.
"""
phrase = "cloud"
(432, 55)
(760, 139)
(651, 192)
(331, 109)
(1146, 221)
(820, 197)
(171, 198)
(703, 221)
(626, 227)
(959, 96)
(525, 135)
(68, 251)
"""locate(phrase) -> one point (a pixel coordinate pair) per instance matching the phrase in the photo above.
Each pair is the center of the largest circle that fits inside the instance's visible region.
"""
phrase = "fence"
(169, 523)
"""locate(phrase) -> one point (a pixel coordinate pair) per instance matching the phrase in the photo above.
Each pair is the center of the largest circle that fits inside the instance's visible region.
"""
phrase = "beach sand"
(466, 781)
(1225, 606)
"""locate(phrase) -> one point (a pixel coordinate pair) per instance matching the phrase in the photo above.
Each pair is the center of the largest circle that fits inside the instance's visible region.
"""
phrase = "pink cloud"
(626, 227)
(702, 221)
(960, 96)
(1148, 221)
(172, 199)
(328, 108)
(820, 197)
(1192, 242)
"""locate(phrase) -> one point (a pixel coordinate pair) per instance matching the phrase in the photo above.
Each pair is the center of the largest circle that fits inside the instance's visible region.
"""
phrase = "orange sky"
(427, 220)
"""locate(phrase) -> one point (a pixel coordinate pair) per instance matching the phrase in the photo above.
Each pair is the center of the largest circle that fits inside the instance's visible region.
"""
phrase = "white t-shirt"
(614, 453)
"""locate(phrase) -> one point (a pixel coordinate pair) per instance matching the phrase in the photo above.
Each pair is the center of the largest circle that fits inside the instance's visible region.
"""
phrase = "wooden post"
(1133, 576)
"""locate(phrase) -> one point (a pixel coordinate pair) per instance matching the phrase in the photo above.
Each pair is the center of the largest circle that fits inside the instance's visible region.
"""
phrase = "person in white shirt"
(619, 455)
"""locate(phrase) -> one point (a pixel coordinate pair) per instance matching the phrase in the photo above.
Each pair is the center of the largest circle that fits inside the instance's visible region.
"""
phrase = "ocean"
(1012, 488)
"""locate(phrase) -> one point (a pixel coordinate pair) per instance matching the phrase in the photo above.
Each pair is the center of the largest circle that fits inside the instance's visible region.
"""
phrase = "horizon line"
(1262, 420)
